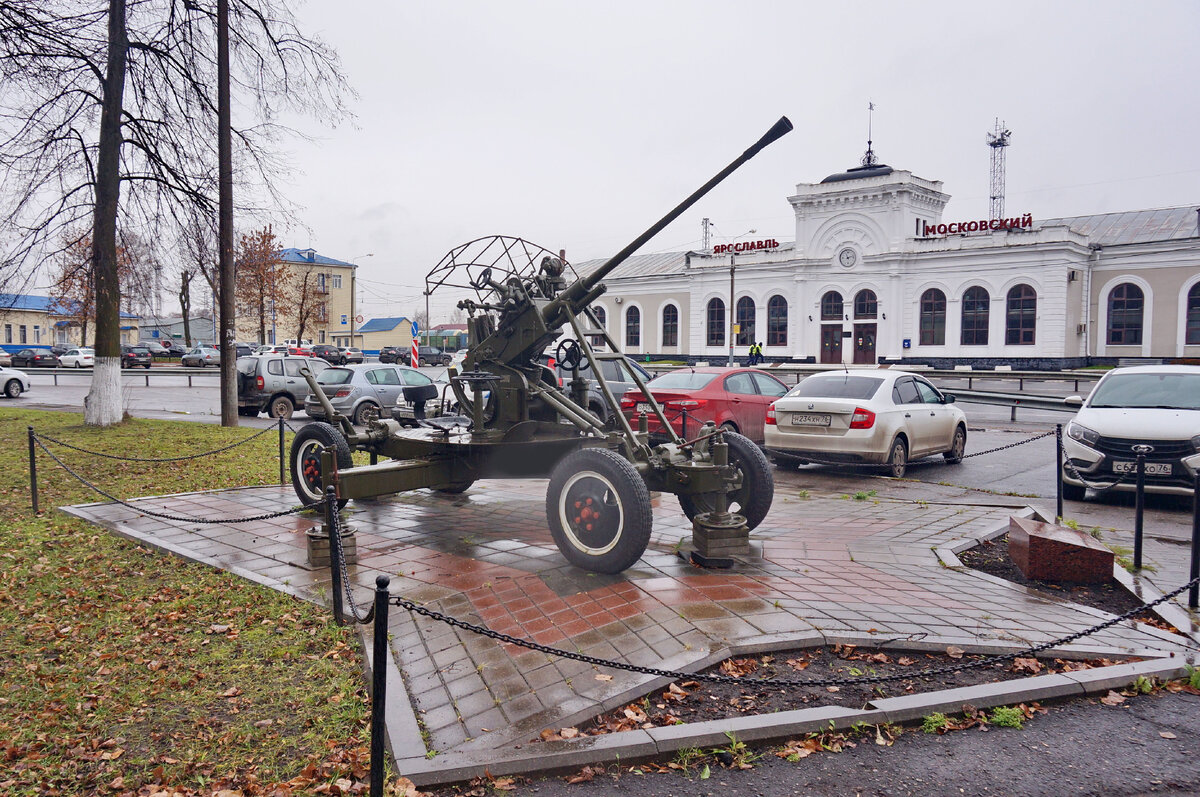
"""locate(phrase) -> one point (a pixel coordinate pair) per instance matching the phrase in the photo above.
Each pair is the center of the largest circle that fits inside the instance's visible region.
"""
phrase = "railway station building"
(878, 273)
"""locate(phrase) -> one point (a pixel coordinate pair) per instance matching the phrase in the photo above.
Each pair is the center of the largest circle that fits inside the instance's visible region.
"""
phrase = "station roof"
(1133, 226)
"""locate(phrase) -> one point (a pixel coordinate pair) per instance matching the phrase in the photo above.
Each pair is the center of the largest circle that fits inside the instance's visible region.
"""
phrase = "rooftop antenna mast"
(869, 158)
(998, 140)
(706, 235)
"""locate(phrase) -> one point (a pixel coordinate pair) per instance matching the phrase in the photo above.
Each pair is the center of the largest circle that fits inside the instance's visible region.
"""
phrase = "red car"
(736, 398)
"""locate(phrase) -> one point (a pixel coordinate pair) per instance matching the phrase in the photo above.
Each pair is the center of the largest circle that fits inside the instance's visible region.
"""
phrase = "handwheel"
(570, 355)
(310, 441)
(753, 499)
(598, 508)
(482, 280)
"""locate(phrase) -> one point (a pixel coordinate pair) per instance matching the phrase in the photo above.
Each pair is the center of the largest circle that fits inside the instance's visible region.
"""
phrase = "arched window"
(976, 304)
(1125, 305)
(715, 323)
(633, 327)
(933, 318)
(1192, 334)
(866, 305)
(1020, 319)
(777, 321)
(831, 306)
(670, 325)
(745, 321)
(601, 316)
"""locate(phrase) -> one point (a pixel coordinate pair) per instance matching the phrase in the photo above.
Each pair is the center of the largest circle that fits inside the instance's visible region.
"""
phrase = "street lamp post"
(353, 291)
(733, 300)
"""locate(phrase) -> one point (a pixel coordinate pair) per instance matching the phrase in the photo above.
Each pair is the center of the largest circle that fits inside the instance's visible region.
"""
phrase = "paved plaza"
(826, 567)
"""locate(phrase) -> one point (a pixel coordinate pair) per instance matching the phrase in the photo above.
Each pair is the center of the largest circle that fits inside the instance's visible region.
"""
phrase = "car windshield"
(1158, 390)
(335, 376)
(681, 380)
(838, 386)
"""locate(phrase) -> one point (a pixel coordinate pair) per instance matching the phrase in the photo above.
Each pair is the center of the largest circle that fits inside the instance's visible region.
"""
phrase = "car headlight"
(1077, 431)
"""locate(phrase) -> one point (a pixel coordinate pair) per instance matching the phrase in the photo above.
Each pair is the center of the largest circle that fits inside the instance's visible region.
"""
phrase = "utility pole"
(229, 416)
(731, 309)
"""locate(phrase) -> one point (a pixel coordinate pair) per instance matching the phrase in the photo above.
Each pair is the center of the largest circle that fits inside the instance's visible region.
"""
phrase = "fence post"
(379, 658)
(1058, 468)
(33, 486)
(1139, 509)
(1194, 570)
(282, 479)
(335, 563)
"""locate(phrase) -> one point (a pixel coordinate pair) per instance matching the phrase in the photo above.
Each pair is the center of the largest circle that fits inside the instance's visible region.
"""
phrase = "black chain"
(1097, 487)
(404, 603)
(163, 515)
(915, 463)
(156, 459)
(335, 543)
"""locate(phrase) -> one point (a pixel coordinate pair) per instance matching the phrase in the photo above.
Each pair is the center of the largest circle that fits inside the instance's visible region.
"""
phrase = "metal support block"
(717, 537)
(318, 546)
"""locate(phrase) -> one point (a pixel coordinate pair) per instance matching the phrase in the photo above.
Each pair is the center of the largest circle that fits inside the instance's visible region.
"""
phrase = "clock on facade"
(848, 257)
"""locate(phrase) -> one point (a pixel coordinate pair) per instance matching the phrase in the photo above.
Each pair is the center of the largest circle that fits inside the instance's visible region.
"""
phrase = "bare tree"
(265, 288)
(108, 120)
(309, 301)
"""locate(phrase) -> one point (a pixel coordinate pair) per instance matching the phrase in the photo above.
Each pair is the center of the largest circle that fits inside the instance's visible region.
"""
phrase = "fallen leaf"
(833, 689)
(798, 664)
(504, 784)
(569, 733)
(1113, 699)
(403, 787)
(905, 661)
(954, 651)
(1167, 735)
(582, 776)
(1029, 665)
(604, 677)
(232, 691)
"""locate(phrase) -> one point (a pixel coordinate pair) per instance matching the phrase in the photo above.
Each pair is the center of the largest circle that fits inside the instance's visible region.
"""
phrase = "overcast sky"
(577, 125)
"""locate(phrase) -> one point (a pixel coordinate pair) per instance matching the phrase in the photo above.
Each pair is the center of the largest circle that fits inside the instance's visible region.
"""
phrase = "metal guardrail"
(1014, 400)
(171, 370)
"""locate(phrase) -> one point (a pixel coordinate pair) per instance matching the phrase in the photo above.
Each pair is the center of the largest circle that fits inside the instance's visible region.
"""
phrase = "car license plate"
(1152, 468)
(800, 419)
(643, 407)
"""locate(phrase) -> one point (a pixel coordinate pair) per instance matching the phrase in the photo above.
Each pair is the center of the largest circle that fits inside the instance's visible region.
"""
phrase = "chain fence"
(202, 454)
(37, 439)
(806, 459)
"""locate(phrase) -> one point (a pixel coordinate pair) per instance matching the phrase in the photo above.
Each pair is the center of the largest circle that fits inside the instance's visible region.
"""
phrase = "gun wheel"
(753, 499)
(598, 508)
(310, 441)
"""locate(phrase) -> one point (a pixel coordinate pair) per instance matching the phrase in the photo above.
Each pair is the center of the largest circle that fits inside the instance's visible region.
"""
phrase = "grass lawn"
(122, 668)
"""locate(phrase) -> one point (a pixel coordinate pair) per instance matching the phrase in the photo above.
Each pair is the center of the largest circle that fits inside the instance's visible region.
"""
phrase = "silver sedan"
(865, 416)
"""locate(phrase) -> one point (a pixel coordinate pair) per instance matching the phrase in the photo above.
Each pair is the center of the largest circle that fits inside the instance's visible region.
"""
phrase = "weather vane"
(869, 158)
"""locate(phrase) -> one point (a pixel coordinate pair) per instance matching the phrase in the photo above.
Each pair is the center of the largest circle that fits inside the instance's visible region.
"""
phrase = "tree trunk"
(229, 406)
(185, 305)
(102, 407)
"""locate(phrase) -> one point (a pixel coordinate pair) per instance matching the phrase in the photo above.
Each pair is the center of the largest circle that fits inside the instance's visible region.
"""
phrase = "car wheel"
(957, 447)
(753, 499)
(598, 509)
(147, 366)
(281, 407)
(365, 413)
(305, 459)
(1073, 492)
(248, 412)
(421, 363)
(12, 388)
(898, 458)
(729, 426)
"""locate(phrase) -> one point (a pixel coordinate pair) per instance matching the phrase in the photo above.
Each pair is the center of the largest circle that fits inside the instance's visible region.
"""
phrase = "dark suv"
(330, 354)
(393, 354)
(430, 355)
(133, 356)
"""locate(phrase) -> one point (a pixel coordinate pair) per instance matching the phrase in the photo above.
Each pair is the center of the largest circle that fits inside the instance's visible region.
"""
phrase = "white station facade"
(877, 275)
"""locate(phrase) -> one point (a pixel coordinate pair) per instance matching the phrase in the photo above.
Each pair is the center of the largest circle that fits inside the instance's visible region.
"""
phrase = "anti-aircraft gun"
(516, 423)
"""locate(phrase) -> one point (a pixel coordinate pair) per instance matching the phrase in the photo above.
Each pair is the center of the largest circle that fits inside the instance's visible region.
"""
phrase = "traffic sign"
(415, 328)
(358, 319)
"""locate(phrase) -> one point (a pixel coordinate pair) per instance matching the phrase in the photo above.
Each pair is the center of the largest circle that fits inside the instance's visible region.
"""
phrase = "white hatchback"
(1155, 406)
(880, 416)
(78, 358)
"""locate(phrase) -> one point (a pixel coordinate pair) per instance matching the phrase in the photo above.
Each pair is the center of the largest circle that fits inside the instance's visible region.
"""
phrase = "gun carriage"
(516, 423)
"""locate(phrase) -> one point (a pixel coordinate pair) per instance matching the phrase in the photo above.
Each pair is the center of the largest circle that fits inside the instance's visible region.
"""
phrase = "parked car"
(156, 347)
(272, 383)
(14, 382)
(5, 358)
(78, 357)
(35, 358)
(431, 355)
(134, 356)
(330, 354)
(60, 349)
(1157, 406)
(393, 354)
(201, 357)
(881, 416)
(364, 392)
(734, 398)
(269, 349)
(353, 355)
(616, 374)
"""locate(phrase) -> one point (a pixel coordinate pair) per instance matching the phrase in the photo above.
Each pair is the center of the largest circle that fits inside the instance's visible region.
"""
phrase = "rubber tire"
(248, 412)
(12, 388)
(421, 362)
(281, 407)
(957, 447)
(361, 410)
(898, 458)
(1073, 492)
(753, 501)
(315, 437)
(147, 366)
(455, 489)
(631, 496)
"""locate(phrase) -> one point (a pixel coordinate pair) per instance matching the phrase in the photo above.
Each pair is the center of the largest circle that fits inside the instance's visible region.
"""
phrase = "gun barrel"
(777, 130)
